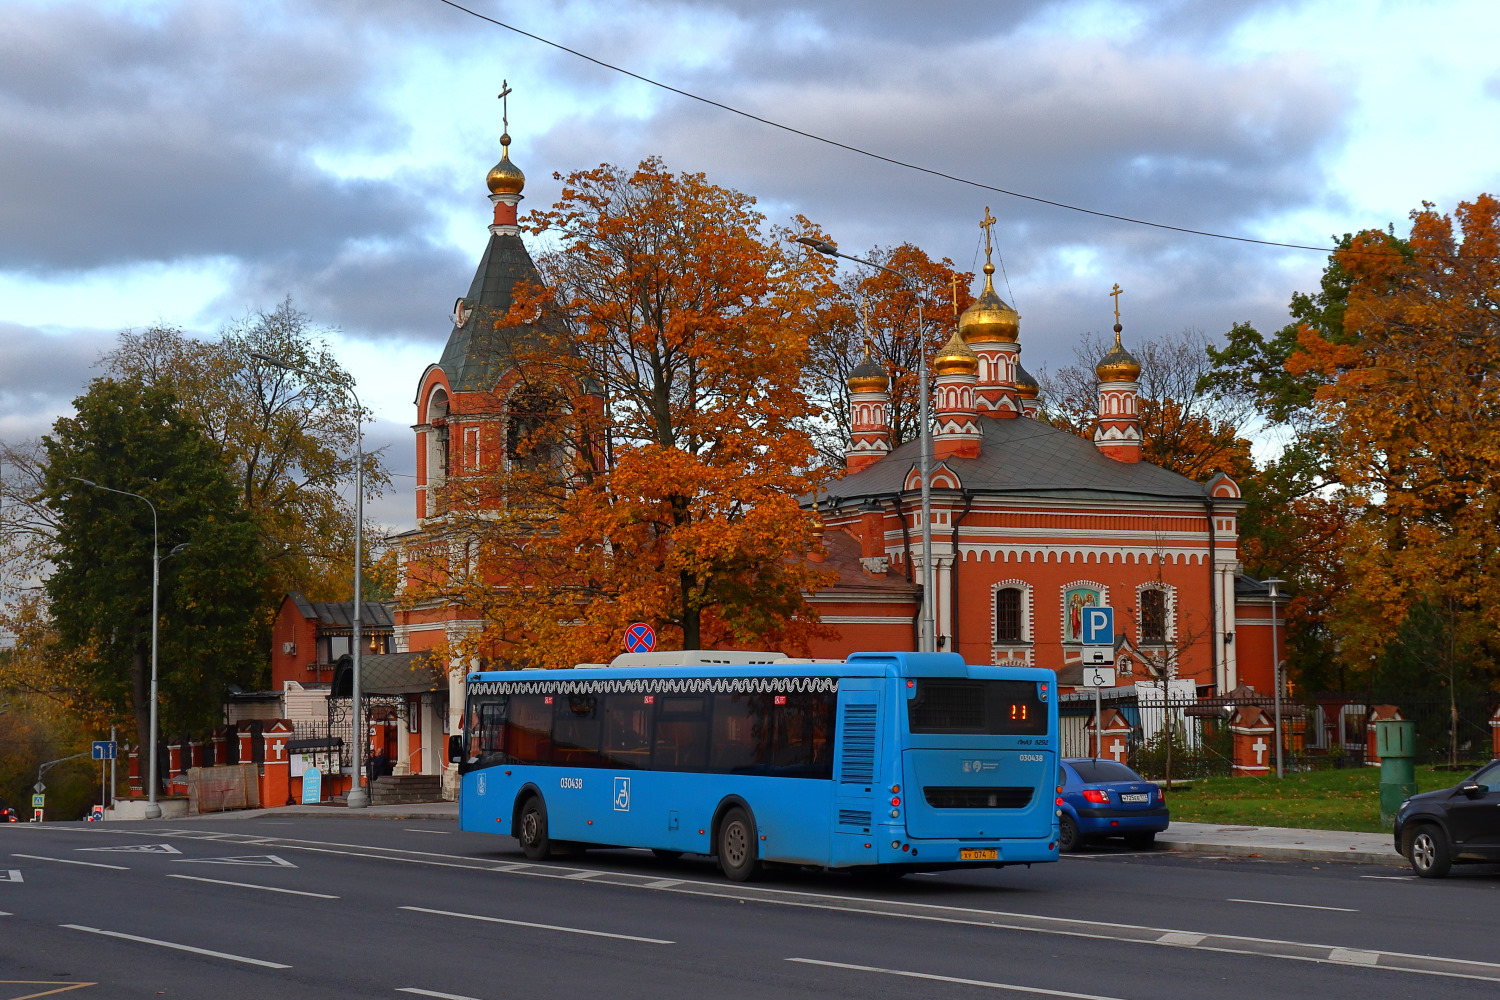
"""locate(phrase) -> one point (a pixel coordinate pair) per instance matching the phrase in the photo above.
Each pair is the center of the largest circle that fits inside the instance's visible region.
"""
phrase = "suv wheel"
(1428, 851)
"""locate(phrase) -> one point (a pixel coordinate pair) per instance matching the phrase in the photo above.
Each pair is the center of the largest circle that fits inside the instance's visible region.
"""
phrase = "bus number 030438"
(576, 783)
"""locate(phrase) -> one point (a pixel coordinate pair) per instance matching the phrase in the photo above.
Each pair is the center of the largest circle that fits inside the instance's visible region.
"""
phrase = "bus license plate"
(1135, 797)
(979, 854)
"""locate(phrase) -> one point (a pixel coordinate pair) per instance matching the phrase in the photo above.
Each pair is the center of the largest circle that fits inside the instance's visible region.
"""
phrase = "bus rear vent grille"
(859, 745)
(854, 817)
(971, 797)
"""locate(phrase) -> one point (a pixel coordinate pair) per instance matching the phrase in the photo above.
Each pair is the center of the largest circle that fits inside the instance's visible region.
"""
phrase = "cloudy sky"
(192, 162)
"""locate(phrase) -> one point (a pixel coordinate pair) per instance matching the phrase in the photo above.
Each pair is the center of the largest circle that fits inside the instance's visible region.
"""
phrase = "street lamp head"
(86, 482)
(178, 549)
(1272, 584)
(268, 359)
(822, 246)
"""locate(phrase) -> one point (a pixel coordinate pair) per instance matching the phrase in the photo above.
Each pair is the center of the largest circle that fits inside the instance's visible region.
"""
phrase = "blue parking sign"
(1098, 626)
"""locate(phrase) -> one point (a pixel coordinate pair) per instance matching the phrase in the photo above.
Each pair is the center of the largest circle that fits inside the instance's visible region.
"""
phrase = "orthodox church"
(1030, 524)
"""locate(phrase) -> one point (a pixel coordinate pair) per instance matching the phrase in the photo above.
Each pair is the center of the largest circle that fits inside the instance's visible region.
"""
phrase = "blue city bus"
(882, 763)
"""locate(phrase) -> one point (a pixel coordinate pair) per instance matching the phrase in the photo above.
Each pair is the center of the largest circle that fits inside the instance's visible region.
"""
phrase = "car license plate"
(1135, 797)
(979, 854)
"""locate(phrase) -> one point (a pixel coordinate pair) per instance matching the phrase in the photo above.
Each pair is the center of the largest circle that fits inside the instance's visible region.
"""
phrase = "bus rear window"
(991, 708)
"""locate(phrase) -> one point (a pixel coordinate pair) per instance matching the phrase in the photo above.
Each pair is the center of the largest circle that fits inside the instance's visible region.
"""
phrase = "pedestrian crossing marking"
(10, 875)
(262, 860)
(136, 849)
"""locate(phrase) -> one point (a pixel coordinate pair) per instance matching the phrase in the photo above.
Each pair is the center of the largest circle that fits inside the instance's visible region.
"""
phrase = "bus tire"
(739, 857)
(532, 830)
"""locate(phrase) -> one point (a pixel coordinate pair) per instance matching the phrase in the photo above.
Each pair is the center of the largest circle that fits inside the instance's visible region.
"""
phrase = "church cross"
(1115, 293)
(987, 225)
(954, 279)
(504, 95)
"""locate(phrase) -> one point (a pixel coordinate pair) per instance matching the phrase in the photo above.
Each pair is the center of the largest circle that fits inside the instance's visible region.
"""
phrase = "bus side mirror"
(455, 748)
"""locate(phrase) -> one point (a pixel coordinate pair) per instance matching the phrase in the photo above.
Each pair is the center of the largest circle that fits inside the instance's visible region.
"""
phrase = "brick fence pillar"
(1116, 742)
(1254, 741)
(135, 771)
(1495, 733)
(275, 773)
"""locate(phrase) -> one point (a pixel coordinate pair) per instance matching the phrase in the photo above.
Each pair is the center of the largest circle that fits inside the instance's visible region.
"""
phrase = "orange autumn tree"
(1410, 396)
(658, 475)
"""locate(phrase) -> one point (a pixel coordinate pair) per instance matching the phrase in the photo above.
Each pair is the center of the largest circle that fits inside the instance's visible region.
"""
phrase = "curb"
(1390, 858)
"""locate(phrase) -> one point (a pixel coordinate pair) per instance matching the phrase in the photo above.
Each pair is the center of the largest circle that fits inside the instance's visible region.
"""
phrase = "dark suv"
(7, 814)
(1458, 824)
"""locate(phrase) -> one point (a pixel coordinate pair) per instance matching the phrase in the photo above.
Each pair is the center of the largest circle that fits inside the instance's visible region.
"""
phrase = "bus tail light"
(1098, 795)
(895, 844)
(1059, 800)
(895, 800)
(895, 789)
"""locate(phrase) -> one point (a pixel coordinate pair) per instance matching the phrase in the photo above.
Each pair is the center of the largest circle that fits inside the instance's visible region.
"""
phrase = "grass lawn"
(1347, 799)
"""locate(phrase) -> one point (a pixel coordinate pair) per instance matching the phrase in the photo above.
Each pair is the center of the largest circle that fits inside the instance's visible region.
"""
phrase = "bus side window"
(627, 731)
(528, 737)
(681, 733)
(575, 731)
(804, 736)
(741, 730)
(489, 746)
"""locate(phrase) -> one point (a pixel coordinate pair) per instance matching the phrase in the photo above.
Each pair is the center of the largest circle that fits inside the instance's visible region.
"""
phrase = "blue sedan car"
(1101, 798)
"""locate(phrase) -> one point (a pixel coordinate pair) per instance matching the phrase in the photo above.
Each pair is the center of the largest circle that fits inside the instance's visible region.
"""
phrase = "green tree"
(285, 440)
(129, 436)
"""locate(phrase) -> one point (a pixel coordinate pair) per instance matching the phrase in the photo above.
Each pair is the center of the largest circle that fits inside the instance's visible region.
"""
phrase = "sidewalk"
(1281, 843)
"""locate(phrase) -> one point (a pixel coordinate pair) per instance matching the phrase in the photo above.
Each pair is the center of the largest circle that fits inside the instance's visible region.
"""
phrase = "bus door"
(857, 769)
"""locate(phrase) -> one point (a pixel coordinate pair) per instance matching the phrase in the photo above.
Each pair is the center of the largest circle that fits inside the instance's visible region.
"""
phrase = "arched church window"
(1153, 617)
(1008, 615)
(437, 438)
(533, 433)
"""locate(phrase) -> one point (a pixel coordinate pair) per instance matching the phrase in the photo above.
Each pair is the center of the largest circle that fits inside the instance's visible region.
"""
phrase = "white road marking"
(1181, 939)
(1299, 906)
(11, 875)
(176, 947)
(1037, 990)
(136, 849)
(432, 993)
(259, 860)
(536, 926)
(70, 861)
(580, 876)
(251, 885)
(1353, 956)
(411, 829)
(1391, 878)
(665, 883)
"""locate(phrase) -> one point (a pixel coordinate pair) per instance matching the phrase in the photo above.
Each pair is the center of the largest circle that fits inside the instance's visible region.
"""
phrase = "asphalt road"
(314, 908)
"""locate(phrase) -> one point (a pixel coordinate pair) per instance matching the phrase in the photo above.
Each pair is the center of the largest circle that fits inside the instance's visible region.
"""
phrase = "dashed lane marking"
(1352, 956)
(176, 947)
(537, 926)
(1301, 951)
(412, 829)
(70, 861)
(1299, 906)
(11, 875)
(251, 885)
(432, 993)
(1035, 990)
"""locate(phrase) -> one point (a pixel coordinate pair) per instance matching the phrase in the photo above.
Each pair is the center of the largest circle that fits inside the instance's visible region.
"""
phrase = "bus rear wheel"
(738, 856)
(532, 832)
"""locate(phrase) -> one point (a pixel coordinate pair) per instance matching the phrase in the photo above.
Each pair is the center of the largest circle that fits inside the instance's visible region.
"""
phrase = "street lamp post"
(928, 639)
(1272, 584)
(358, 798)
(153, 808)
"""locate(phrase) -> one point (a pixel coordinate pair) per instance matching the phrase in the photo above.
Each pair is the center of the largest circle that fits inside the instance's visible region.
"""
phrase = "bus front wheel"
(738, 856)
(533, 829)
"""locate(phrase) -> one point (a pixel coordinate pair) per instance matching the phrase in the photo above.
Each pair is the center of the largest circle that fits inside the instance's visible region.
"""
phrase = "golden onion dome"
(1119, 365)
(1026, 386)
(989, 320)
(505, 177)
(956, 358)
(868, 375)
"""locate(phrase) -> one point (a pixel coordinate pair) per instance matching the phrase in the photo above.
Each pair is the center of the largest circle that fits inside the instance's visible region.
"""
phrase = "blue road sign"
(106, 749)
(1098, 626)
(640, 638)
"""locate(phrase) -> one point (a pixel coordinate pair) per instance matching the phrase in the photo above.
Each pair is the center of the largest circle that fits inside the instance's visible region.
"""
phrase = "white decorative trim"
(1169, 612)
(1028, 608)
(865, 619)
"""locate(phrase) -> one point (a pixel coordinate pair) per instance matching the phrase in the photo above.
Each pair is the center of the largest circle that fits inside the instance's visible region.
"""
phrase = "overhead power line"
(930, 171)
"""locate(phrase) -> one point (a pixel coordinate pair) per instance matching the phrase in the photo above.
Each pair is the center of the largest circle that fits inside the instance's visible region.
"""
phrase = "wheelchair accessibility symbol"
(622, 795)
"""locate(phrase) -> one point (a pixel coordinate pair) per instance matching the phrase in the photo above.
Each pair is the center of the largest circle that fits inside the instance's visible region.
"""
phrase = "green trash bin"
(1396, 745)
